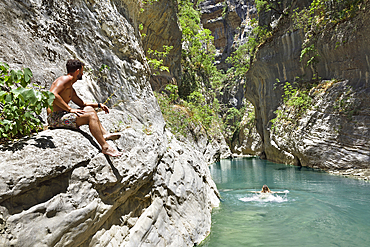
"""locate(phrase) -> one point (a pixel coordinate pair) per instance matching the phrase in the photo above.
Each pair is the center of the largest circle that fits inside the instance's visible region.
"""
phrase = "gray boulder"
(58, 189)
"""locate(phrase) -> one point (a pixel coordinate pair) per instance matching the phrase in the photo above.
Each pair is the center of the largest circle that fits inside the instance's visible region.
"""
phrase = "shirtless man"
(65, 116)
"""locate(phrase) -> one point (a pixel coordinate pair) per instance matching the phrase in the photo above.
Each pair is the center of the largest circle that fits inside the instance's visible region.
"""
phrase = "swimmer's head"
(265, 189)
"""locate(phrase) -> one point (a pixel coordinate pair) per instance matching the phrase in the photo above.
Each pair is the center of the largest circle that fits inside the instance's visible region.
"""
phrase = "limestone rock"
(229, 22)
(42, 35)
(56, 187)
(317, 140)
(246, 140)
(160, 28)
(59, 188)
(331, 135)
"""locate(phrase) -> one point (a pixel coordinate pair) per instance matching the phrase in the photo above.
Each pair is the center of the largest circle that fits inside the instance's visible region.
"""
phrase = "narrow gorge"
(248, 75)
(333, 132)
(56, 188)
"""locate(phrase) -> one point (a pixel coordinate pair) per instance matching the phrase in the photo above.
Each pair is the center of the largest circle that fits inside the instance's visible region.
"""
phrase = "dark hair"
(73, 65)
(265, 188)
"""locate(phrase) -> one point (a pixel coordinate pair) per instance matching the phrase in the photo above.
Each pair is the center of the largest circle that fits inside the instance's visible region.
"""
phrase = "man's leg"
(91, 118)
(106, 134)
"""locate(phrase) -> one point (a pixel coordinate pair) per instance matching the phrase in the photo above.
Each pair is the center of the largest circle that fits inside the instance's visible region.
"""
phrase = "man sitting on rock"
(65, 116)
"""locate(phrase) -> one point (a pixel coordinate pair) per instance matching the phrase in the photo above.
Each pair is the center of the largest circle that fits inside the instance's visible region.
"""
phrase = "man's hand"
(105, 108)
(77, 111)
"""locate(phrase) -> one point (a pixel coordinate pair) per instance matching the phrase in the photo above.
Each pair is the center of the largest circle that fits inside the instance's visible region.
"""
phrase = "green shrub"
(176, 117)
(297, 102)
(20, 104)
(241, 58)
(182, 116)
(198, 53)
(155, 59)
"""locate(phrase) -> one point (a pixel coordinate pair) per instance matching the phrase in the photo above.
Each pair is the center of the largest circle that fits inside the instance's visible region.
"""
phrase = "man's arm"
(78, 101)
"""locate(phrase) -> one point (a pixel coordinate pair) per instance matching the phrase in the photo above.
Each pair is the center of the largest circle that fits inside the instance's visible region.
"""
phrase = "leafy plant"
(173, 89)
(198, 54)
(103, 67)
(269, 5)
(156, 58)
(176, 117)
(146, 2)
(184, 116)
(318, 16)
(20, 103)
(312, 54)
(296, 101)
(241, 58)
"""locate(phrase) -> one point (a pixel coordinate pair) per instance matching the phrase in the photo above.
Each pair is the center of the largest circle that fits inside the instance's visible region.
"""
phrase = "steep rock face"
(160, 28)
(229, 22)
(43, 35)
(56, 188)
(317, 141)
(333, 134)
(246, 140)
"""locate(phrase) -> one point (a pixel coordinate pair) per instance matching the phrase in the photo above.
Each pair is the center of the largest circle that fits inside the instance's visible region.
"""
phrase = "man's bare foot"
(112, 136)
(111, 152)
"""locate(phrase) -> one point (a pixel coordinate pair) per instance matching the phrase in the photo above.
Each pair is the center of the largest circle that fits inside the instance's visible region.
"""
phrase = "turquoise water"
(319, 210)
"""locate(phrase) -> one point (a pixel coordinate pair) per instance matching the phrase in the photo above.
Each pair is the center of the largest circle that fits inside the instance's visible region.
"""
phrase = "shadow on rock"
(43, 142)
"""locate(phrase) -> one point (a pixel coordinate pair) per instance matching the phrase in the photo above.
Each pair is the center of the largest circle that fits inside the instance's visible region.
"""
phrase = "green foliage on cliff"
(312, 54)
(233, 119)
(323, 12)
(320, 15)
(19, 103)
(313, 20)
(193, 103)
(147, 2)
(184, 116)
(268, 5)
(296, 101)
(198, 53)
(242, 58)
(155, 58)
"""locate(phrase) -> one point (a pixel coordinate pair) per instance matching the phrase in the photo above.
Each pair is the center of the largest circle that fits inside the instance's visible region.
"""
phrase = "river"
(317, 209)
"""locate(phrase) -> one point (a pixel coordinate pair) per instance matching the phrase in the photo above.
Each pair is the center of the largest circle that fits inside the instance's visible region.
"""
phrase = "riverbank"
(361, 174)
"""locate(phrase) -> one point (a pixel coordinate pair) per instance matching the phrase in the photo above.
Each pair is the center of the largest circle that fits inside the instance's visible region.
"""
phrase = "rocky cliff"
(229, 21)
(230, 24)
(334, 132)
(56, 188)
(160, 28)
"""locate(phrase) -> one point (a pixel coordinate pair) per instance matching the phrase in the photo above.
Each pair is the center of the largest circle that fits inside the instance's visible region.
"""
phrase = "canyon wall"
(229, 21)
(56, 187)
(230, 24)
(334, 132)
(160, 28)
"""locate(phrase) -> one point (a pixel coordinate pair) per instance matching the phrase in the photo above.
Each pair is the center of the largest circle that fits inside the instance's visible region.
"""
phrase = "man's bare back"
(63, 87)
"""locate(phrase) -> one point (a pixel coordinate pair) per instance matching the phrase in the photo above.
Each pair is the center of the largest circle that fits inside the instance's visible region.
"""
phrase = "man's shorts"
(62, 119)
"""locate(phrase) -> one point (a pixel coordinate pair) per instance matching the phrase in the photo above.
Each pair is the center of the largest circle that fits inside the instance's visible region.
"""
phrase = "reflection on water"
(319, 210)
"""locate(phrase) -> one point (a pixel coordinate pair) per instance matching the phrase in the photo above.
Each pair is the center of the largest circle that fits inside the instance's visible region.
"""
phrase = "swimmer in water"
(265, 189)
